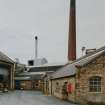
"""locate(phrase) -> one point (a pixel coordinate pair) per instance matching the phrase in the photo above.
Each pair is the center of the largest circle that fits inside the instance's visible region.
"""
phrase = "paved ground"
(29, 98)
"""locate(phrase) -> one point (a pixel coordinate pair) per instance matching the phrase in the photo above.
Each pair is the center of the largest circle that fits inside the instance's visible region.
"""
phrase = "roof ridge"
(102, 49)
(87, 55)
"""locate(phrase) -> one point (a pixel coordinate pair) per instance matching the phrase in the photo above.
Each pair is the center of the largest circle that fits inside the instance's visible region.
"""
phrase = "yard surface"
(29, 98)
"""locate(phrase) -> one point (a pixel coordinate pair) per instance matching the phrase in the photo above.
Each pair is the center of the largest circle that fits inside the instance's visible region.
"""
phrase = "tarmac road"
(29, 98)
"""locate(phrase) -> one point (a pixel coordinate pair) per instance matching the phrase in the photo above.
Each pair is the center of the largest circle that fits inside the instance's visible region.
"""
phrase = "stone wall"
(45, 86)
(50, 85)
(57, 85)
(94, 68)
(26, 85)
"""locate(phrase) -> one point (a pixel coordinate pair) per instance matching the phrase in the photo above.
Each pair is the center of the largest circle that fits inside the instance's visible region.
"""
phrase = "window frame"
(95, 84)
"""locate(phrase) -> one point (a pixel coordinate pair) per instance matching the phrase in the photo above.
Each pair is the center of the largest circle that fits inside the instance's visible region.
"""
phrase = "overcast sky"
(21, 20)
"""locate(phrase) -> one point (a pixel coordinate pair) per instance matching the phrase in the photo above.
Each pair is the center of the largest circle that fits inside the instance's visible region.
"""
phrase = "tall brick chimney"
(72, 32)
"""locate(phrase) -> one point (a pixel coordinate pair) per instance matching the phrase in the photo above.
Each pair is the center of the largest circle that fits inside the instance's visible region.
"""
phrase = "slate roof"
(70, 69)
(5, 58)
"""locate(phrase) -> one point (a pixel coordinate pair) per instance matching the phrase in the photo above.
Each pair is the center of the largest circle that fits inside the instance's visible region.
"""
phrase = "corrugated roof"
(31, 73)
(44, 69)
(5, 58)
(70, 69)
(22, 78)
(47, 65)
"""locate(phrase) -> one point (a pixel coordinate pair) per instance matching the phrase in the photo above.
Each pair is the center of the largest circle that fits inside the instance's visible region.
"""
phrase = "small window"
(64, 88)
(95, 84)
(57, 87)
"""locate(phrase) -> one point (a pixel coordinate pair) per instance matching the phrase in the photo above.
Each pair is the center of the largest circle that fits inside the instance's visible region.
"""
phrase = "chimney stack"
(72, 32)
(36, 49)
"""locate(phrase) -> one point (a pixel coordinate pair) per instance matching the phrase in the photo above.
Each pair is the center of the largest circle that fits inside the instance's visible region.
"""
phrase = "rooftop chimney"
(72, 32)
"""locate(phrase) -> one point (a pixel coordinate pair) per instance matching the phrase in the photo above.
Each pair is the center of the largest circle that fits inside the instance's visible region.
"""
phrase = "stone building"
(28, 81)
(33, 76)
(46, 87)
(7, 69)
(23, 83)
(82, 81)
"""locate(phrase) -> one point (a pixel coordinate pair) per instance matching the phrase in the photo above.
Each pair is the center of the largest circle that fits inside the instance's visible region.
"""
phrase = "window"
(57, 87)
(64, 88)
(95, 84)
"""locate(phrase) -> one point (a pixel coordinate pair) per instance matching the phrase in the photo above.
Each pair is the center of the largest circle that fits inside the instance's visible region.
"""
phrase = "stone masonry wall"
(57, 89)
(95, 68)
